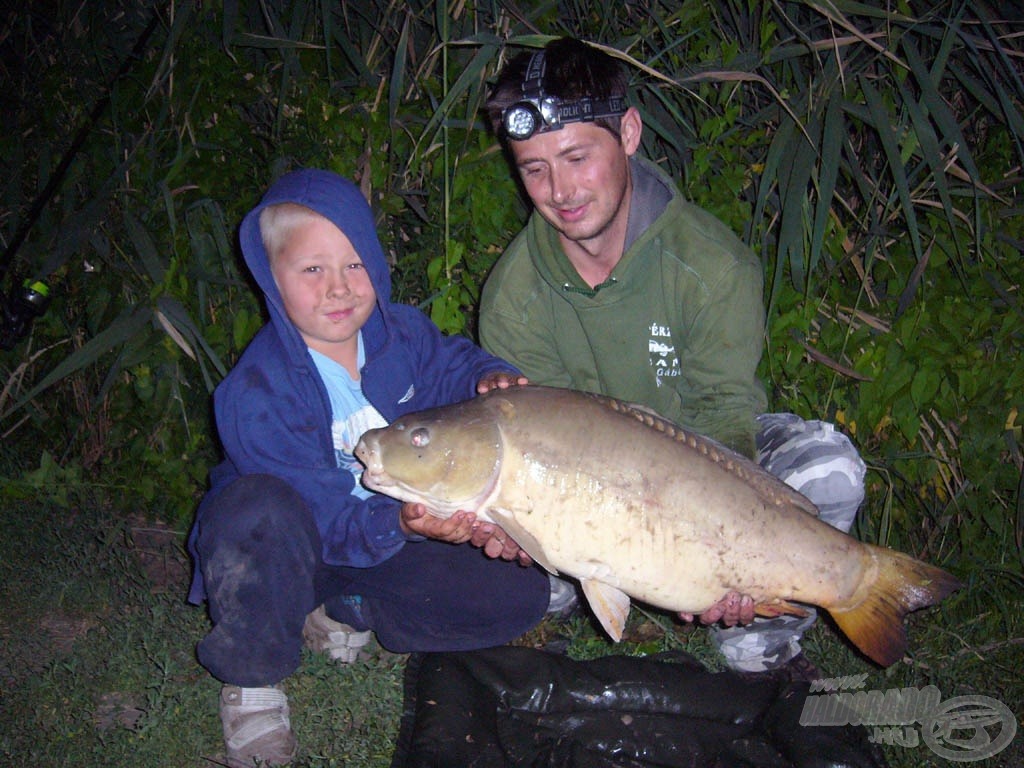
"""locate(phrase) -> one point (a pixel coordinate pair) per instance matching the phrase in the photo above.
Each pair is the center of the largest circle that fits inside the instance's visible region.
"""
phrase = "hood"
(341, 202)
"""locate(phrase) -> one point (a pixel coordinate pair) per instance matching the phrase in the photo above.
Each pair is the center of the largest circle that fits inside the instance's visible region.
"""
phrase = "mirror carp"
(634, 506)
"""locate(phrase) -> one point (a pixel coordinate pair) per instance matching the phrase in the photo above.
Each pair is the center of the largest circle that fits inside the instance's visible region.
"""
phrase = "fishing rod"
(29, 301)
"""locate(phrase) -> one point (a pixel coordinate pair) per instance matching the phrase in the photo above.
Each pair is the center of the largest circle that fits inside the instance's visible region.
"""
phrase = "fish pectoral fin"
(778, 608)
(609, 604)
(526, 540)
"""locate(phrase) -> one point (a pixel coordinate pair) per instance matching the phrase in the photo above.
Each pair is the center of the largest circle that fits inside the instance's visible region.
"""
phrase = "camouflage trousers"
(822, 464)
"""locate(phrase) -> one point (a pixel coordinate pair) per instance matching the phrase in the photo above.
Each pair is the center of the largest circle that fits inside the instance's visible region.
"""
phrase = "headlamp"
(539, 113)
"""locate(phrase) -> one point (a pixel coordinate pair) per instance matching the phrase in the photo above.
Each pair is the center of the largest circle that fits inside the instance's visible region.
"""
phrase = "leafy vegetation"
(872, 156)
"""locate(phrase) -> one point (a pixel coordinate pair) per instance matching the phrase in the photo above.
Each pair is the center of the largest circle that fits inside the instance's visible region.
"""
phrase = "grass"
(97, 665)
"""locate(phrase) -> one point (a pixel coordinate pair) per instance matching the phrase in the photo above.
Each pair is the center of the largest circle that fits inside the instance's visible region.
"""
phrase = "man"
(617, 285)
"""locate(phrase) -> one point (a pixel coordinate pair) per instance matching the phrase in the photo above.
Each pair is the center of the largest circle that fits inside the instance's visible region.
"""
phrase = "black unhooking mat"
(510, 707)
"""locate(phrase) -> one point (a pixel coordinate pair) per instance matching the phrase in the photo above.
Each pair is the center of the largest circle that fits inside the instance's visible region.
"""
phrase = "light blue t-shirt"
(351, 413)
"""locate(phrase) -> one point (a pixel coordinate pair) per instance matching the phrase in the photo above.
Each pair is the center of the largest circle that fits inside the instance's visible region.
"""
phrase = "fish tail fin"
(874, 622)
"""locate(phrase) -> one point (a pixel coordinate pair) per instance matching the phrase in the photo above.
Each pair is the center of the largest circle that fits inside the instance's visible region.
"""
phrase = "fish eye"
(420, 437)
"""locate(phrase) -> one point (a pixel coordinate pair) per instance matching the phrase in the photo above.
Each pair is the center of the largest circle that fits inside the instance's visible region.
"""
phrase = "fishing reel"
(19, 308)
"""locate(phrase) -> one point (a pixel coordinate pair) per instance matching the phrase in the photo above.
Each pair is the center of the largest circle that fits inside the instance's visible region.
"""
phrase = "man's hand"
(731, 610)
(500, 381)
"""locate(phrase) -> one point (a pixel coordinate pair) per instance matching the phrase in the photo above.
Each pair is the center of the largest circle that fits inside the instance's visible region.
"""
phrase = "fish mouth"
(374, 475)
(377, 480)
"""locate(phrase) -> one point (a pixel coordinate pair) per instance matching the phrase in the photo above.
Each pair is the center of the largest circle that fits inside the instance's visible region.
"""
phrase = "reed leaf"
(397, 79)
(273, 42)
(471, 77)
(180, 24)
(145, 248)
(883, 127)
(229, 22)
(358, 67)
(832, 135)
(793, 190)
(937, 107)
(187, 335)
(126, 327)
(769, 178)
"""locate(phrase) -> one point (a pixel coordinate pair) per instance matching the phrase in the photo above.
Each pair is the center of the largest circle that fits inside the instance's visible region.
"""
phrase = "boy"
(288, 545)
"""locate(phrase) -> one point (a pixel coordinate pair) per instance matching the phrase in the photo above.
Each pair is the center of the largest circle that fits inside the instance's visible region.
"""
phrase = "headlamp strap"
(533, 80)
(587, 109)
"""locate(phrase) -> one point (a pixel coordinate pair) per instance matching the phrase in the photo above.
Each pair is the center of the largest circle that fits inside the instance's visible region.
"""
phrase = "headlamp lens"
(521, 120)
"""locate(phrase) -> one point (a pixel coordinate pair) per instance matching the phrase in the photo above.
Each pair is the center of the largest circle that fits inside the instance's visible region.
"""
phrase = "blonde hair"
(279, 220)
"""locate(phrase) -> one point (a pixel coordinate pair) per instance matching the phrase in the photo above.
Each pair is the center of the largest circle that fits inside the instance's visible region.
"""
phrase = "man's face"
(578, 179)
(325, 287)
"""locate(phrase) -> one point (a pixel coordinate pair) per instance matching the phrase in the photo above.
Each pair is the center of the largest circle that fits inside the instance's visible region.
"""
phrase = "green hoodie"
(678, 326)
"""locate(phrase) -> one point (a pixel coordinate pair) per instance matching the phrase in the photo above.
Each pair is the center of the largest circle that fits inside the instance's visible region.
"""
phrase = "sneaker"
(563, 601)
(339, 641)
(257, 726)
(798, 669)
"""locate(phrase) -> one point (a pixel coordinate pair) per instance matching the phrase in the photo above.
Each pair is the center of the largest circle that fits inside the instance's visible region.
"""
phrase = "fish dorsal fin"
(610, 606)
(774, 491)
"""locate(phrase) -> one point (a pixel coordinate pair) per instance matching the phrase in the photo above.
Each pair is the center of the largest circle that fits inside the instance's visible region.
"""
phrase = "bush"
(870, 156)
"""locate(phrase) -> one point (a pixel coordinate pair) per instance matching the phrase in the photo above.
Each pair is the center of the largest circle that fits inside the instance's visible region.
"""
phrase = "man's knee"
(816, 460)
(765, 644)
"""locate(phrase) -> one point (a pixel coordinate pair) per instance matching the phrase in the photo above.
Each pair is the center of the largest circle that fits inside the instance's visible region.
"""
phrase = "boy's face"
(326, 289)
(578, 178)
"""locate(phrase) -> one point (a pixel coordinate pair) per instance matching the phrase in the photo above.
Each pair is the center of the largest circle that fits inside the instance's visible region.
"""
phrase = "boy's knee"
(260, 504)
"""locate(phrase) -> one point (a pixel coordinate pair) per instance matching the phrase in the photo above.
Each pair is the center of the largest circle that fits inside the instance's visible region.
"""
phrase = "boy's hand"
(460, 528)
(500, 381)
(457, 529)
(496, 543)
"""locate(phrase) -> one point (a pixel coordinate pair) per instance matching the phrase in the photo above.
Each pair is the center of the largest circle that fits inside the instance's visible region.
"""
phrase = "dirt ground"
(32, 637)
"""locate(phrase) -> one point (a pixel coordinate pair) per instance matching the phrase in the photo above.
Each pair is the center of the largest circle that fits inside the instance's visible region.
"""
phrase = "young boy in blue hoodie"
(290, 549)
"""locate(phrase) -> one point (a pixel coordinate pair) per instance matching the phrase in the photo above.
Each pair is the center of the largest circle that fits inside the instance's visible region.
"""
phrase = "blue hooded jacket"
(272, 410)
